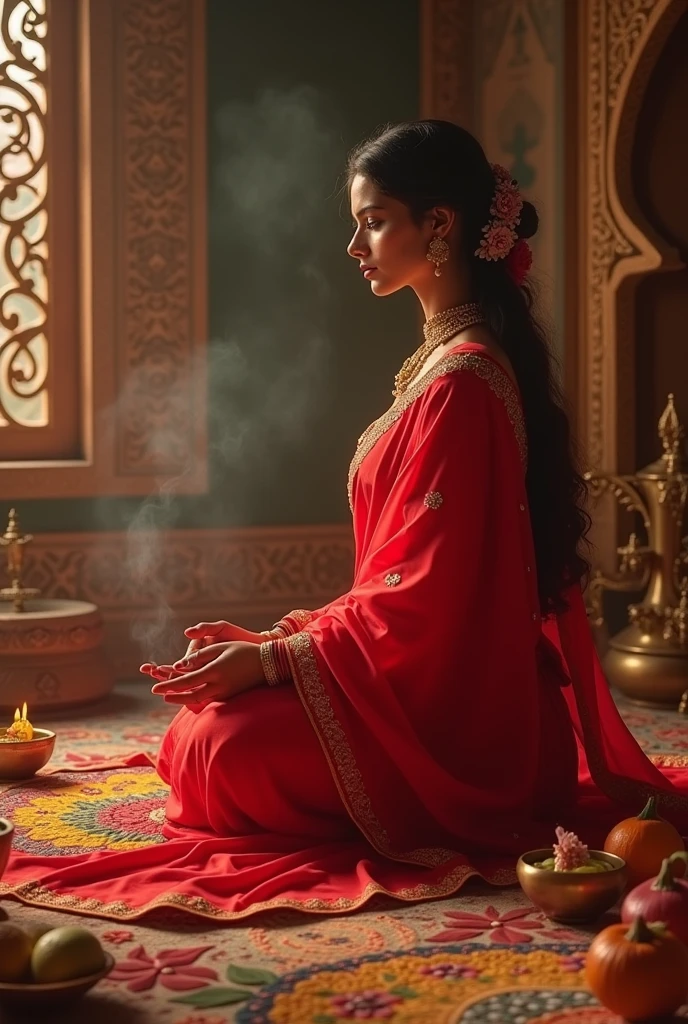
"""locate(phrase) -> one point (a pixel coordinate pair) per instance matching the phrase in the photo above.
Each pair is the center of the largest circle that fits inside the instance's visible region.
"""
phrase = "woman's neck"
(445, 292)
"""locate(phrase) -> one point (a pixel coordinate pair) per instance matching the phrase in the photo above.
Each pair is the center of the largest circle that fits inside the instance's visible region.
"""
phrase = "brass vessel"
(20, 759)
(567, 896)
(648, 660)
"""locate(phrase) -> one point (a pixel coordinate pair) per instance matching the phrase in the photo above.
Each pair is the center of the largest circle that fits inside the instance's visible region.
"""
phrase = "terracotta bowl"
(26, 994)
(567, 896)
(22, 758)
(6, 836)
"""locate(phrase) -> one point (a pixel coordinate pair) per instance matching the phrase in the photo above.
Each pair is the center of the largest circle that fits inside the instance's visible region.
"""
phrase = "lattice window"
(24, 353)
(102, 242)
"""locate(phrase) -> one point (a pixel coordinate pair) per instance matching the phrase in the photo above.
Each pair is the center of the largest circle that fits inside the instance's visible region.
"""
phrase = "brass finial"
(671, 435)
(15, 541)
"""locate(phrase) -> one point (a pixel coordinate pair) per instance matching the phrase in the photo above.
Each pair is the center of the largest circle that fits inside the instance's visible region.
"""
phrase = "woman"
(448, 711)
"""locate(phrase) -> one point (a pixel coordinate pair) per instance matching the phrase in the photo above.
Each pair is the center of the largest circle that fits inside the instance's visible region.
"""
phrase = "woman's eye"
(373, 223)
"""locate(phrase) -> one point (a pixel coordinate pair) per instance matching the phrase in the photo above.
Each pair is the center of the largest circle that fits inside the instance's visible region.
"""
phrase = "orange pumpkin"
(640, 973)
(644, 842)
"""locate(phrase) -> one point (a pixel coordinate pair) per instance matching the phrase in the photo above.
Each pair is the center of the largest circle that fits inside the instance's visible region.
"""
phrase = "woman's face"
(388, 244)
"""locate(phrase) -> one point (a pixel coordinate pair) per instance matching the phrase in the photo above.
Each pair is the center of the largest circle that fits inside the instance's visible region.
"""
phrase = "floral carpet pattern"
(486, 955)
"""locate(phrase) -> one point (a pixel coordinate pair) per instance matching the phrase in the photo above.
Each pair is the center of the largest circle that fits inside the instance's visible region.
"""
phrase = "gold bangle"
(267, 661)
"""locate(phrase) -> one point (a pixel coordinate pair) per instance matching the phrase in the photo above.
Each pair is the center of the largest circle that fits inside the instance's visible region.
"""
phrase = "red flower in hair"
(519, 261)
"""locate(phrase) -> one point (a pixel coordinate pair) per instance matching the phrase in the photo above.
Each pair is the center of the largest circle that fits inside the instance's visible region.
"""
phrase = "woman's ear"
(441, 220)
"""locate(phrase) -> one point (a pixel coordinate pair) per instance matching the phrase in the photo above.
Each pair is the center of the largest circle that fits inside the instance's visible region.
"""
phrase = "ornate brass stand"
(648, 660)
(15, 541)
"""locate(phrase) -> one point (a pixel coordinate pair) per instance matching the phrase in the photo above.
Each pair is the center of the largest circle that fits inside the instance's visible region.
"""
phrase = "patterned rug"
(486, 955)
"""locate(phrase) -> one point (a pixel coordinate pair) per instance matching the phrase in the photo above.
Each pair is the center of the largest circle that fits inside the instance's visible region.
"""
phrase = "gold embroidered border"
(489, 371)
(345, 771)
(301, 617)
(33, 894)
(669, 760)
(340, 756)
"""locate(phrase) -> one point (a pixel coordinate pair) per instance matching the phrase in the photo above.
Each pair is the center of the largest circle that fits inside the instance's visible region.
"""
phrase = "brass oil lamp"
(648, 660)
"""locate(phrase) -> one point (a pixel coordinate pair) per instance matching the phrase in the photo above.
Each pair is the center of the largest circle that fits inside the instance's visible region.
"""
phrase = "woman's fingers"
(202, 629)
(149, 668)
(197, 659)
(163, 672)
(187, 681)
(201, 695)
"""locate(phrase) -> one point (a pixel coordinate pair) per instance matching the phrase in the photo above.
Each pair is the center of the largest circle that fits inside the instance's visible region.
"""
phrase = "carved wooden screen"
(102, 252)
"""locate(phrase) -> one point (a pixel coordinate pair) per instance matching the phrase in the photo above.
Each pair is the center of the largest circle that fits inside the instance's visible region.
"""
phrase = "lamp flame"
(21, 728)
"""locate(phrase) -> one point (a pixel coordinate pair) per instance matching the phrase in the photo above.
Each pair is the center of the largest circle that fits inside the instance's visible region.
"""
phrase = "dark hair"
(437, 163)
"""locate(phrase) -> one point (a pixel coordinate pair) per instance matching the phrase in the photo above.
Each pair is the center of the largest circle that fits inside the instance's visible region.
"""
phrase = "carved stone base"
(52, 655)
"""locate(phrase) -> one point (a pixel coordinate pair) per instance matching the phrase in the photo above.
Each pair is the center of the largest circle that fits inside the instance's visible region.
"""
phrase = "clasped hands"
(225, 662)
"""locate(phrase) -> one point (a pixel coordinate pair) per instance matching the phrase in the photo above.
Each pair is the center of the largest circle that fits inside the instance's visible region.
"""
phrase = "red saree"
(436, 728)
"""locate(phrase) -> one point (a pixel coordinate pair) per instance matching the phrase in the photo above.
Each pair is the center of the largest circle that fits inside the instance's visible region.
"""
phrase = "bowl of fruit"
(42, 966)
(570, 883)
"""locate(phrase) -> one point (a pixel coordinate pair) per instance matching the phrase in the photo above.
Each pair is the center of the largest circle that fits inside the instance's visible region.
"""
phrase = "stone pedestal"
(51, 655)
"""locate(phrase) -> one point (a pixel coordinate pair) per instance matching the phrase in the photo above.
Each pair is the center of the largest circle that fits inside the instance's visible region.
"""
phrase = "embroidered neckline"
(483, 366)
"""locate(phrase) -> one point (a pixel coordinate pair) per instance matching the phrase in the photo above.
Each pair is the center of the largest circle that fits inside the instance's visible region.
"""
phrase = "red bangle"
(275, 662)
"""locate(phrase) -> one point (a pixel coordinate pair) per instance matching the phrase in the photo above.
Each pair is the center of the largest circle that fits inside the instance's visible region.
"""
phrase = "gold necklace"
(438, 329)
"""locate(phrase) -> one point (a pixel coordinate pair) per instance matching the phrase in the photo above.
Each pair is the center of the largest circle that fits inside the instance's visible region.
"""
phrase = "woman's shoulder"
(467, 381)
(467, 366)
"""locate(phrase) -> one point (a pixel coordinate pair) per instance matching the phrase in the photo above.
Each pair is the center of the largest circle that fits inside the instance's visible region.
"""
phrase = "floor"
(485, 955)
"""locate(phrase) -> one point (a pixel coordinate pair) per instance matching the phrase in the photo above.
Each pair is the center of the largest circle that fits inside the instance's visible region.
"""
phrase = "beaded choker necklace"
(437, 330)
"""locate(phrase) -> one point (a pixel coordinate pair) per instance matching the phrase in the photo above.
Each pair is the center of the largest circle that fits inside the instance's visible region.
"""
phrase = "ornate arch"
(620, 42)
(624, 42)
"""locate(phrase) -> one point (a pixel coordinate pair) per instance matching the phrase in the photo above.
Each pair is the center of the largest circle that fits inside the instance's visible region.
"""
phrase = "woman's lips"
(369, 271)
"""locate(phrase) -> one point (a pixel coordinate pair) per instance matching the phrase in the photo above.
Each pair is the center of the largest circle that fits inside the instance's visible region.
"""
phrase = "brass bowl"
(21, 759)
(567, 896)
(25, 994)
(6, 836)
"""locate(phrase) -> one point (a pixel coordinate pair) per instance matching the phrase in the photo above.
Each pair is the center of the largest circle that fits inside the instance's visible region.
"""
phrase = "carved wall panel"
(495, 67)
(619, 42)
(149, 586)
(447, 60)
(519, 100)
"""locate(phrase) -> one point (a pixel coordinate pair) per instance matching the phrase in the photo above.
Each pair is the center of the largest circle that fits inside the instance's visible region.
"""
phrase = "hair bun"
(529, 221)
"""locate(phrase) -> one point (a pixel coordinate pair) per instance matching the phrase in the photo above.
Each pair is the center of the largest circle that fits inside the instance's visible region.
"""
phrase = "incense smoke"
(275, 167)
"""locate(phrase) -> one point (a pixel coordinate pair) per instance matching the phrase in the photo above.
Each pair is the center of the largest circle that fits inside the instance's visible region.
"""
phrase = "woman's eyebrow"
(365, 209)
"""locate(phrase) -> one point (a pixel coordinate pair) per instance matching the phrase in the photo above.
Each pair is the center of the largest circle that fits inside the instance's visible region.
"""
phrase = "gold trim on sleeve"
(341, 759)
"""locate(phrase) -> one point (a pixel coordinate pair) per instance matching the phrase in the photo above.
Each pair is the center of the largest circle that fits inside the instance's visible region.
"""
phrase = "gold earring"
(438, 252)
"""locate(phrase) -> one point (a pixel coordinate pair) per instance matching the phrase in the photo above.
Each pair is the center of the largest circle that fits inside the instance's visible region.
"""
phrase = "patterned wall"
(519, 115)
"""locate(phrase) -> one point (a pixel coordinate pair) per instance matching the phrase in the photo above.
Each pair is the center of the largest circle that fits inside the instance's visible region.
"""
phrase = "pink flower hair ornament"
(500, 239)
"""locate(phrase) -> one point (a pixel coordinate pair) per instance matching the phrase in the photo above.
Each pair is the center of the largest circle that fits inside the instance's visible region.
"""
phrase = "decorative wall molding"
(447, 60)
(619, 44)
(157, 354)
(152, 585)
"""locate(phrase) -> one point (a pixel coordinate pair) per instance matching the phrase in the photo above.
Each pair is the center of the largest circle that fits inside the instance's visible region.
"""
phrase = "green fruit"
(548, 864)
(15, 952)
(593, 866)
(66, 953)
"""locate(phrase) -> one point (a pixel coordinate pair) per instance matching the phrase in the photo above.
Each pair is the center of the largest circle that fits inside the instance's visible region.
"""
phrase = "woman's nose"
(356, 248)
